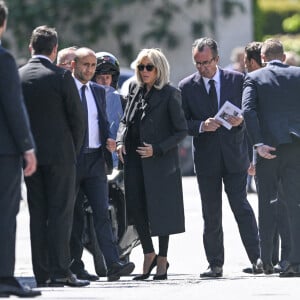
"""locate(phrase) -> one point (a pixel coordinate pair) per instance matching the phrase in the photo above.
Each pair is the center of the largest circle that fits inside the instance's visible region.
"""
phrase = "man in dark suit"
(253, 62)
(271, 109)
(16, 141)
(64, 60)
(94, 162)
(220, 155)
(57, 121)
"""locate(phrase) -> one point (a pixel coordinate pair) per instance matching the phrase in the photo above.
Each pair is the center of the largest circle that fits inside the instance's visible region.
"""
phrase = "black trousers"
(282, 239)
(76, 245)
(51, 198)
(10, 195)
(284, 170)
(137, 204)
(210, 188)
(91, 178)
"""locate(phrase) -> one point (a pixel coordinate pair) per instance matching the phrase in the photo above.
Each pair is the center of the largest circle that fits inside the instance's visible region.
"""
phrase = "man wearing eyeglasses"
(220, 154)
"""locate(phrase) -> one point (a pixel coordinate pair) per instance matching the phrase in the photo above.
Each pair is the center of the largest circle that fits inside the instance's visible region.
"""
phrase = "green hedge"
(269, 16)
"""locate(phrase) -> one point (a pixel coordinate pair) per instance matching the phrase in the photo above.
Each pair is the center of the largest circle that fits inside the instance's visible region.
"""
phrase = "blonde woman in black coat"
(150, 131)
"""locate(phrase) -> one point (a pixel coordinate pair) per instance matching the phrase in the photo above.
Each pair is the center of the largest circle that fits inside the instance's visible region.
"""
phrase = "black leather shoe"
(146, 275)
(10, 286)
(281, 266)
(292, 270)
(70, 280)
(257, 267)
(85, 275)
(119, 269)
(46, 283)
(212, 272)
(268, 269)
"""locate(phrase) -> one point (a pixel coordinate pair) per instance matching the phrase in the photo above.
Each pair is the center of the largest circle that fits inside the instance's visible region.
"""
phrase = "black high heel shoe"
(145, 276)
(162, 276)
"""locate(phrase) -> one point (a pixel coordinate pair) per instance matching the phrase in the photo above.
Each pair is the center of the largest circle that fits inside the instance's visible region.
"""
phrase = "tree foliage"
(292, 24)
(89, 21)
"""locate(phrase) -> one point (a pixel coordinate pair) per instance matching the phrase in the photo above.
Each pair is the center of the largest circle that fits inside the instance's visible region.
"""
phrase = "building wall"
(229, 33)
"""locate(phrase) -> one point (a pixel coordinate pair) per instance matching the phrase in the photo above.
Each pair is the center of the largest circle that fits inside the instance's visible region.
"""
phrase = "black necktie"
(213, 95)
(85, 109)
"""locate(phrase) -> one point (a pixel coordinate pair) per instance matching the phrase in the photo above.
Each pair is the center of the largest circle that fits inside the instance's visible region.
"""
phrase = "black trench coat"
(163, 125)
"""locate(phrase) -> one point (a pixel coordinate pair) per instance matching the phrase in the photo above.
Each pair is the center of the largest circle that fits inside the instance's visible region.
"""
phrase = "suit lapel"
(97, 101)
(223, 88)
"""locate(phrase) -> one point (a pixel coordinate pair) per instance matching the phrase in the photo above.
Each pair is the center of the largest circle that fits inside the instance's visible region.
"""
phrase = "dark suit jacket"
(104, 127)
(15, 138)
(15, 135)
(210, 147)
(271, 104)
(54, 109)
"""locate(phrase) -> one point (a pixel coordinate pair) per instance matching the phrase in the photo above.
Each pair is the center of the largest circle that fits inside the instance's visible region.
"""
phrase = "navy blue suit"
(220, 157)
(91, 179)
(272, 114)
(15, 139)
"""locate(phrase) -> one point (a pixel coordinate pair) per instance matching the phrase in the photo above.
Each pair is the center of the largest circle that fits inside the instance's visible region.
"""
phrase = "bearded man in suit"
(94, 162)
(220, 155)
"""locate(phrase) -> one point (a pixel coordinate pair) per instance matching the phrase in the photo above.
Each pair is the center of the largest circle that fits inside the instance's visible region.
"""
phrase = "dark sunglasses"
(149, 68)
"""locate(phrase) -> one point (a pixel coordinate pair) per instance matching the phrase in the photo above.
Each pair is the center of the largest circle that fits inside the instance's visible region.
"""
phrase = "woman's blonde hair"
(159, 61)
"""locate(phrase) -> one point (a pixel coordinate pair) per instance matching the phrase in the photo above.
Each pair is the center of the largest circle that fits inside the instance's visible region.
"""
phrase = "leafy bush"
(275, 17)
(292, 24)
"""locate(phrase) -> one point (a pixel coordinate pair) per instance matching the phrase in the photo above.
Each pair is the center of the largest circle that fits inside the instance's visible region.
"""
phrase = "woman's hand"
(145, 151)
(120, 151)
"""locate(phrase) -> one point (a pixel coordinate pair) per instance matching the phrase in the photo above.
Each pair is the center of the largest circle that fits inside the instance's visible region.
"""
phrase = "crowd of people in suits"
(63, 122)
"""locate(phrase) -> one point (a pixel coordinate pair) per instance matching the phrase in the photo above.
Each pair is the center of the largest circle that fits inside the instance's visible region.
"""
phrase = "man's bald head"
(84, 64)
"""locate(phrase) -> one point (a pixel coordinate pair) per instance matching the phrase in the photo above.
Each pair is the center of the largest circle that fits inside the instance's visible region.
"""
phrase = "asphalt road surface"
(187, 260)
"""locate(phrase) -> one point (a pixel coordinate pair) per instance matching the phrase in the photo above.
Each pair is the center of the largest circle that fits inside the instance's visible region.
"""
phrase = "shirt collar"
(42, 56)
(274, 61)
(79, 84)
(216, 78)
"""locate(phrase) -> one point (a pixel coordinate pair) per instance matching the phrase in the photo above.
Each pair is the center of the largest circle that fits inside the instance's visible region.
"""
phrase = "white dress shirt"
(93, 118)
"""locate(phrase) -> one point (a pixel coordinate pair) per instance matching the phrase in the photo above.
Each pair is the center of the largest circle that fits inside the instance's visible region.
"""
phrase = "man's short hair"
(201, 43)
(61, 54)
(3, 12)
(272, 49)
(253, 52)
(43, 40)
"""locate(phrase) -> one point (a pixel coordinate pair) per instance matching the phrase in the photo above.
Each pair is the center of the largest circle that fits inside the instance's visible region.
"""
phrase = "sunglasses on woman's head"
(149, 68)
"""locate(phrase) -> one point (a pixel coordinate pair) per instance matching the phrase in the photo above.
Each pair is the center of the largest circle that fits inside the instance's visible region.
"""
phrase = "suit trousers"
(51, 198)
(91, 178)
(10, 195)
(210, 188)
(281, 245)
(76, 244)
(283, 170)
(282, 232)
